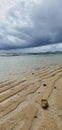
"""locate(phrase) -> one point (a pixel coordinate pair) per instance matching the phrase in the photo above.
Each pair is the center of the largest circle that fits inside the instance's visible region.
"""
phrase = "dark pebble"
(39, 92)
(54, 87)
(33, 73)
(35, 116)
(44, 85)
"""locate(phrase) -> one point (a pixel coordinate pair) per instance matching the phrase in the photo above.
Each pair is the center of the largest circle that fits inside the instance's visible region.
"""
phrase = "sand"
(22, 105)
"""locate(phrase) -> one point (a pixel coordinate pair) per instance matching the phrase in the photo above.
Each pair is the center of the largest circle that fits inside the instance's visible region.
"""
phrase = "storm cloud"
(30, 23)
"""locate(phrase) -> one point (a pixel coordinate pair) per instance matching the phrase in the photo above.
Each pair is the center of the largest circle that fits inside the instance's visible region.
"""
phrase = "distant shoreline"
(21, 54)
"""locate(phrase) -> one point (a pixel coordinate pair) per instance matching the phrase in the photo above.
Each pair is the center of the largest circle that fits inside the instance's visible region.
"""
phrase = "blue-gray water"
(17, 65)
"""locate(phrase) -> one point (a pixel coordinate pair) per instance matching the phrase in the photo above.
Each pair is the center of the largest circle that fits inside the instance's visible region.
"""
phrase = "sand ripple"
(20, 101)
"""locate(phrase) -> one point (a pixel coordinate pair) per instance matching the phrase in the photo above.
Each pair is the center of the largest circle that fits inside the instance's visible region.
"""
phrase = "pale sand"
(21, 101)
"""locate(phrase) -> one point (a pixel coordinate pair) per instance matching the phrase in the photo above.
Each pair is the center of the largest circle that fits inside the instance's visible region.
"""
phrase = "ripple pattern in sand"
(20, 101)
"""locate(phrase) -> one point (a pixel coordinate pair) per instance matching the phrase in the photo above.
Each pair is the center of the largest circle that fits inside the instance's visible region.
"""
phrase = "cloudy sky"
(33, 24)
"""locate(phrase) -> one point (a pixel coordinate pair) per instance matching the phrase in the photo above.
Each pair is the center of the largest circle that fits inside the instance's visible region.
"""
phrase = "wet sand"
(22, 101)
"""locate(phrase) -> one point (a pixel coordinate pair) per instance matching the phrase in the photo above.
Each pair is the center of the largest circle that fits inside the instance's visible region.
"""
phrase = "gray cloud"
(31, 23)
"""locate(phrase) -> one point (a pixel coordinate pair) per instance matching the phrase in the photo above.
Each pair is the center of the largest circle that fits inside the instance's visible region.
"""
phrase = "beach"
(32, 101)
(31, 93)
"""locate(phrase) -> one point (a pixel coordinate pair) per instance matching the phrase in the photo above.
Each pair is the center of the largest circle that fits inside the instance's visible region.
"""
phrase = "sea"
(12, 67)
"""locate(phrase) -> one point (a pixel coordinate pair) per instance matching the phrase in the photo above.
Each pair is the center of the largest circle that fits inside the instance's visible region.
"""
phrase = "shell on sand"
(44, 103)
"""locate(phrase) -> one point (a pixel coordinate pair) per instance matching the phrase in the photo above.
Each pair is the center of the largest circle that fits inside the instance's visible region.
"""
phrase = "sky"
(31, 25)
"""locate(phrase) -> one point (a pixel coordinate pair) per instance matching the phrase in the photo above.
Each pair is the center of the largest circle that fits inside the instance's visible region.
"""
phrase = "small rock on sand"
(44, 103)
(44, 85)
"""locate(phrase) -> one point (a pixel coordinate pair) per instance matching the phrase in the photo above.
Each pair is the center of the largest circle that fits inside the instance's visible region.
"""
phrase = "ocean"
(15, 66)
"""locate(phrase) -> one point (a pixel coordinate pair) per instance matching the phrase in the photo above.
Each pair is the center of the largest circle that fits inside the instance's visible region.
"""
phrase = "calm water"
(14, 66)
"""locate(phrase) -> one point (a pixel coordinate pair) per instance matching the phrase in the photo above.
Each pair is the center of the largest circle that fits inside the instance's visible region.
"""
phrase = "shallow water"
(14, 66)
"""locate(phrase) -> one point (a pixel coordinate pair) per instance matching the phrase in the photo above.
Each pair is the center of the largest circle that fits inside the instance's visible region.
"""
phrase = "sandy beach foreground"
(33, 102)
